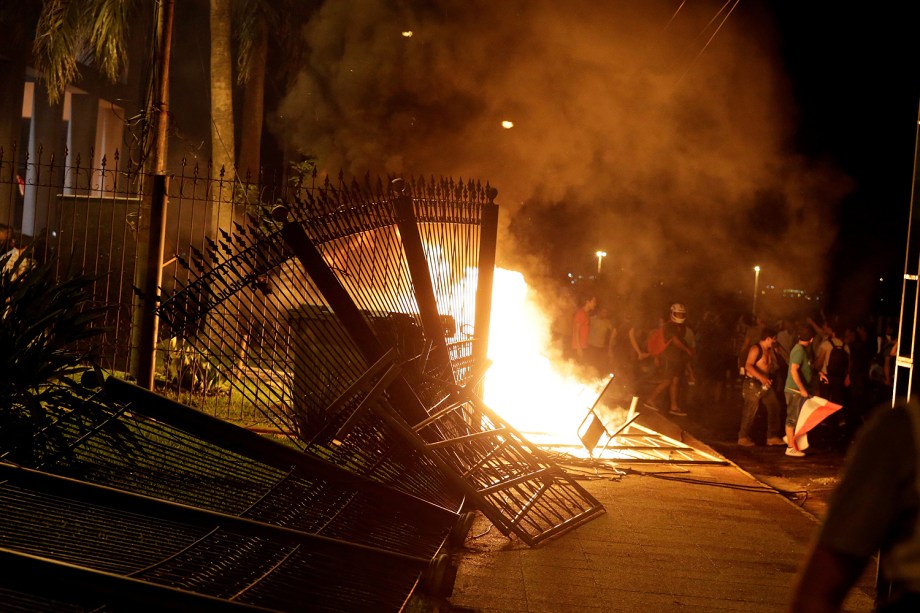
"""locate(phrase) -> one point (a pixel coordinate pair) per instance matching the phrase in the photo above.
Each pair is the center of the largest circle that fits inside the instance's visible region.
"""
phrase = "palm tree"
(254, 20)
(221, 56)
(223, 148)
(68, 30)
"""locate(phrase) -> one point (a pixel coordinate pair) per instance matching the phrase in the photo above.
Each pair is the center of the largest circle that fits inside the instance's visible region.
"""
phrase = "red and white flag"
(814, 411)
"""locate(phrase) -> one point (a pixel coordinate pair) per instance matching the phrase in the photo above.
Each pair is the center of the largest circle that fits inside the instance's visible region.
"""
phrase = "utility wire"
(725, 16)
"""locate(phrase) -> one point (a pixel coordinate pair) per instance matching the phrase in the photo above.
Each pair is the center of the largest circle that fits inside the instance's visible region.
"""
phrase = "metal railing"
(86, 211)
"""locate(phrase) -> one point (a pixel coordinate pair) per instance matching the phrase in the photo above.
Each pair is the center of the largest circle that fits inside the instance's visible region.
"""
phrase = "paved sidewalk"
(694, 538)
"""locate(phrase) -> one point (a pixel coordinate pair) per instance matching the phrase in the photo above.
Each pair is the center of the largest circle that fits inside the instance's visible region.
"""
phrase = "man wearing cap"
(675, 359)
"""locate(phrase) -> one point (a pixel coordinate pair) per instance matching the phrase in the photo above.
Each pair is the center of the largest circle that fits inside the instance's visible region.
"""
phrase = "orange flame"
(529, 384)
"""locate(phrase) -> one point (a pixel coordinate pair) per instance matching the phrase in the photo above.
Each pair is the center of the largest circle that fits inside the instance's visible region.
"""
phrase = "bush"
(48, 331)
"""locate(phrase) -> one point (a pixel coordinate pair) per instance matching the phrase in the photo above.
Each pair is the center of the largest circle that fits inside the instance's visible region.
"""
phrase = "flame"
(529, 384)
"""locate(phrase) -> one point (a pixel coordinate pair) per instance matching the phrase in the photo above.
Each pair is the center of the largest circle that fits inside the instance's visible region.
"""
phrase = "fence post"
(488, 243)
(420, 273)
(148, 278)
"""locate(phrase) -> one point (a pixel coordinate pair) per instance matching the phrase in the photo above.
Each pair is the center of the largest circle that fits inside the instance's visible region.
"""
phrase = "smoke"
(663, 136)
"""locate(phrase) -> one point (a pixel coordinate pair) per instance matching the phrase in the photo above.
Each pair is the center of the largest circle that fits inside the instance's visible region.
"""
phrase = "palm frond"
(68, 28)
(57, 45)
(109, 21)
(253, 20)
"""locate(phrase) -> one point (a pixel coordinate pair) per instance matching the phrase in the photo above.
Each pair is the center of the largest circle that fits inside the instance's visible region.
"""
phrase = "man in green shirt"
(798, 381)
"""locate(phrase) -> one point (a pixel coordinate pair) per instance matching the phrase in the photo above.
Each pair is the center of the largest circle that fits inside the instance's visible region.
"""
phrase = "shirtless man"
(757, 389)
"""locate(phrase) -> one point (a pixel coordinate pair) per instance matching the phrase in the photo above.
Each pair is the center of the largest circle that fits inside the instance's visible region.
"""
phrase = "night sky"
(690, 140)
(856, 81)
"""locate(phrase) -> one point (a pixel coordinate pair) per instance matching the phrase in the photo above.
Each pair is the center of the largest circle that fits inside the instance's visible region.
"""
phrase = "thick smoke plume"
(659, 131)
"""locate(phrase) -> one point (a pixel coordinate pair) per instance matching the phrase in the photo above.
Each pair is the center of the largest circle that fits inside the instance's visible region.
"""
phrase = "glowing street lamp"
(756, 283)
(600, 259)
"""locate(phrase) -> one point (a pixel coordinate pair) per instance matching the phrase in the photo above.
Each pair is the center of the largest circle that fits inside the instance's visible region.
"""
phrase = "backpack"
(838, 361)
(655, 343)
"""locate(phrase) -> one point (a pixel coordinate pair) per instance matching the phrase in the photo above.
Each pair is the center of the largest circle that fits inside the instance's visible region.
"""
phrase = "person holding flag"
(798, 380)
(874, 509)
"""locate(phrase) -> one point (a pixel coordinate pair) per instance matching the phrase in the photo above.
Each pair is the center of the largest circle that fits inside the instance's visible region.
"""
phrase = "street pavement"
(697, 537)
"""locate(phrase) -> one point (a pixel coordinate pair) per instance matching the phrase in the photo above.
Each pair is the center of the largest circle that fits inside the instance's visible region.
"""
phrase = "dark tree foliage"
(48, 332)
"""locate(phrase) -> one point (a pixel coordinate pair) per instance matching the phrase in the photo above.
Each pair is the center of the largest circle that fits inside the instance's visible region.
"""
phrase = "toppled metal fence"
(352, 323)
(115, 535)
(373, 312)
(153, 502)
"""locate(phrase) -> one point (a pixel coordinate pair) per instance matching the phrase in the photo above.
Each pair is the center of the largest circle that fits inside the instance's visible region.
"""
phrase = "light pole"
(756, 283)
(600, 259)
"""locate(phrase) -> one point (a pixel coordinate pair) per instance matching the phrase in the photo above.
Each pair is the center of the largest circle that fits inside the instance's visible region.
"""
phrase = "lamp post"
(600, 259)
(756, 283)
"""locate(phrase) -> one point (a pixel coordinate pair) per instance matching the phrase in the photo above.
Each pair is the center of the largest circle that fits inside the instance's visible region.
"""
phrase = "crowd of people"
(775, 366)
(768, 365)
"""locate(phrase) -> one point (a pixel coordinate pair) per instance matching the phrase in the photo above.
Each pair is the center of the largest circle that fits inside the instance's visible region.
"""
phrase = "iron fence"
(88, 212)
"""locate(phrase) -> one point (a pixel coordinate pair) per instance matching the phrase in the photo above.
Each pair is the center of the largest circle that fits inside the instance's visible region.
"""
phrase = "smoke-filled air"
(659, 131)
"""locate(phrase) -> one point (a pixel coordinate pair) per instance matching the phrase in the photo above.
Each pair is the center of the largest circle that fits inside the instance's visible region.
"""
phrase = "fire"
(529, 384)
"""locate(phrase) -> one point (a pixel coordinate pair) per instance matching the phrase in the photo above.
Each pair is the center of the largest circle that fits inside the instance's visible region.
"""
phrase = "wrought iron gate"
(367, 311)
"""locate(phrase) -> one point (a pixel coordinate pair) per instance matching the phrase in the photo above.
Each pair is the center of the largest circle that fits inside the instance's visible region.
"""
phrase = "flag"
(813, 412)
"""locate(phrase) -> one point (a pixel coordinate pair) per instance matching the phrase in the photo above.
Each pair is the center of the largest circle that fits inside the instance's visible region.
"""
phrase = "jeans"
(753, 394)
(794, 402)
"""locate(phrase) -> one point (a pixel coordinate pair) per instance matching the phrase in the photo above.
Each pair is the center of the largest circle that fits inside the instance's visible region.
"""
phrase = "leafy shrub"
(48, 334)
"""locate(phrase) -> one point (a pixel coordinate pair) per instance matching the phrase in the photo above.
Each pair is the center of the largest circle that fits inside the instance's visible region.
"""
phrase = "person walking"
(832, 361)
(675, 359)
(757, 389)
(798, 382)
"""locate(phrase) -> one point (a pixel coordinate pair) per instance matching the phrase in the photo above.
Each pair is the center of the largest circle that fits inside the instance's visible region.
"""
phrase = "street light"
(600, 258)
(756, 283)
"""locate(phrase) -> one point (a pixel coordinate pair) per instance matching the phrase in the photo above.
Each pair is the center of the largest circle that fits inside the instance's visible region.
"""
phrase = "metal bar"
(910, 296)
(130, 502)
(250, 444)
(421, 277)
(647, 448)
(603, 391)
(347, 311)
(533, 500)
(68, 583)
(569, 524)
(362, 382)
(488, 243)
(498, 449)
(467, 438)
(511, 482)
(388, 414)
(331, 289)
(369, 399)
(453, 406)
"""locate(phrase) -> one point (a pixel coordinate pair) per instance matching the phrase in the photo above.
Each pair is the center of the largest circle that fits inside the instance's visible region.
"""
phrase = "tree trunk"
(253, 113)
(222, 141)
(12, 84)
